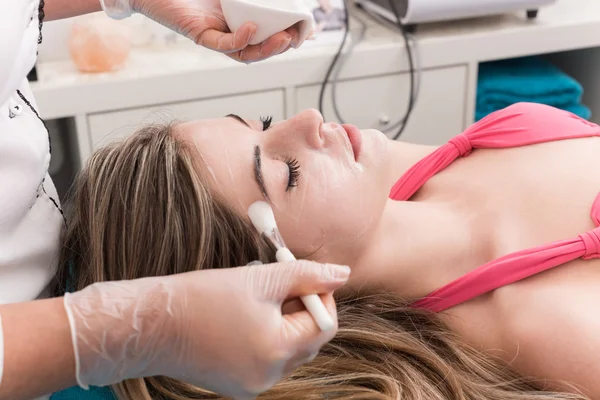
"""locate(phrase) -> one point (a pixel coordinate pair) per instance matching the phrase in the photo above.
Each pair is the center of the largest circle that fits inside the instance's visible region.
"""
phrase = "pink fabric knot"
(591, 241)
(462, 144)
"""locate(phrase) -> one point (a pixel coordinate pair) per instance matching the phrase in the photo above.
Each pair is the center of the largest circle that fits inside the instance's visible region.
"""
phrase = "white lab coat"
(30, 216)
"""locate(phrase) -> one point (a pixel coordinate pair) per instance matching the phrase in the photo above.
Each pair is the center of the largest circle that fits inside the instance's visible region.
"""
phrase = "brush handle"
(312, 302)
(317, 309)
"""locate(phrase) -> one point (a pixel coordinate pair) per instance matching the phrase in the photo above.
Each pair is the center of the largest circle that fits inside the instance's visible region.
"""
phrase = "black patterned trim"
(41, 16)
(56, 205)
(50, 151)
(38, 116)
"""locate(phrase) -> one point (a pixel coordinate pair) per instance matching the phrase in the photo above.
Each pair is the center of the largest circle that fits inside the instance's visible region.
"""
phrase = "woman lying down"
(475, 268)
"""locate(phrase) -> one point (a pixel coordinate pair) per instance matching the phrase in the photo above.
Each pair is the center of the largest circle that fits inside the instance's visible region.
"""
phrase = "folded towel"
(527, 79)
(76, 393)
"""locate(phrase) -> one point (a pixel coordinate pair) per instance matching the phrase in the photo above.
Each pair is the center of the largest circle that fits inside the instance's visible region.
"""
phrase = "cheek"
(332, 209)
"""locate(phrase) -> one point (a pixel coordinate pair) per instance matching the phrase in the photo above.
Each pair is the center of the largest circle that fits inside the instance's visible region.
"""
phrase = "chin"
(371, 132)
(375, 135)
(375, 144)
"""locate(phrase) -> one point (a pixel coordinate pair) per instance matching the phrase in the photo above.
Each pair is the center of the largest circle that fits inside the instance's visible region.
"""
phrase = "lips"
(355, 138)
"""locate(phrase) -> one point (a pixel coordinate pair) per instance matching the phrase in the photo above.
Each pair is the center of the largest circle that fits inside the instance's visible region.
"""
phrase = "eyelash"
(294, 167)
(292, 163)
(266, 121)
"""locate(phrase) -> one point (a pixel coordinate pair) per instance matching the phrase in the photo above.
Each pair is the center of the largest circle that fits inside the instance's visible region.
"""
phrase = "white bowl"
(270, 16)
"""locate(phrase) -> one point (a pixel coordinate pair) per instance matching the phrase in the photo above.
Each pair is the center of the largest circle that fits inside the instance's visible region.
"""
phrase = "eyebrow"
(237, 117)
(258, 176)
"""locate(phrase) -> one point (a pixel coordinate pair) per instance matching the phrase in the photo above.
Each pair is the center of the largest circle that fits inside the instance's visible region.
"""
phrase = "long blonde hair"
(141, 209)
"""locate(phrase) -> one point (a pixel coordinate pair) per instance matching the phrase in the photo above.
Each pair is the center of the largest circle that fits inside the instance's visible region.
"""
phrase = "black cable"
(411, 66)
(403, 30)
(335, 59)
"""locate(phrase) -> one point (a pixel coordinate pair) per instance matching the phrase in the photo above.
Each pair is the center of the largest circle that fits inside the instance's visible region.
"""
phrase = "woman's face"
(325, 182)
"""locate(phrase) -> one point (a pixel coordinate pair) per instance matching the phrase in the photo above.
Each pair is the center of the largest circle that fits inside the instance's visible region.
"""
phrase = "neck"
(409, 250)
(413, 240)
(404, 156)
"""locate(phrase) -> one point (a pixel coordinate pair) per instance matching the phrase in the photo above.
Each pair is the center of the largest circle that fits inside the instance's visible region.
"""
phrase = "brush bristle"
(262, 216)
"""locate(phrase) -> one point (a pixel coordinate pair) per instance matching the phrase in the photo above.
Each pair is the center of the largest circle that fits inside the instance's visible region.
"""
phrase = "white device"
(263, 219)
(270, 16)
(412, 12)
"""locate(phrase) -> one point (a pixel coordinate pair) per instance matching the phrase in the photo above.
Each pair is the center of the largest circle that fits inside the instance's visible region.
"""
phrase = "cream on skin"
(329, 192)
(489, 204)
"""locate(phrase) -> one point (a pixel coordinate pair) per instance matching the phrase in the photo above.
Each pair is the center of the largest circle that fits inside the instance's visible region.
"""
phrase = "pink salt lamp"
(99, 44)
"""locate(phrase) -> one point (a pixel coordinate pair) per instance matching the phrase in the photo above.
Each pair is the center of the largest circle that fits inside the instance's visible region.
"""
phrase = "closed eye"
(266, 121)
(294, 172)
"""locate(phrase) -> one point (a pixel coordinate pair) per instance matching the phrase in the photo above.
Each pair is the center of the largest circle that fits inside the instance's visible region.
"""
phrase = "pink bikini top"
(518, 125)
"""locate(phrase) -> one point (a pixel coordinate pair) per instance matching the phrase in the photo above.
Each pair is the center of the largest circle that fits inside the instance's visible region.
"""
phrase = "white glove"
(222, 330)
(203, 22)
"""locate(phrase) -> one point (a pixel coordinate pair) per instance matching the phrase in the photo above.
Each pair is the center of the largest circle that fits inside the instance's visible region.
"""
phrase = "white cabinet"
(105, 127)
(381, 101)
(366, 102)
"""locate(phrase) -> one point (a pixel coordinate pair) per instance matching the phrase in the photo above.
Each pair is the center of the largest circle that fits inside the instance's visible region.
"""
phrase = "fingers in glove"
(292, 306)
(227, 42)
(274, 45)
(294, 32)
(302, 333)
(314, 278)
(283, 281)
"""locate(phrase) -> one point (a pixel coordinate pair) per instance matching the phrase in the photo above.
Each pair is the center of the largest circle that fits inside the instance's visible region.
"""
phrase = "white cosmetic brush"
(263, 219)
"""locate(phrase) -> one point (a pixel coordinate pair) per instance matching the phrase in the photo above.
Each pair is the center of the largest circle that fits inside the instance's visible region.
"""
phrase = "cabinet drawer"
(438, 113)
(105, 127)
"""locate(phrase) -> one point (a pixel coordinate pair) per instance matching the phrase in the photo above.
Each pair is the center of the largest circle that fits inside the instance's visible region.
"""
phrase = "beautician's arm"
(184, 326)
(202, 21)
(58, 9)
(37, 338)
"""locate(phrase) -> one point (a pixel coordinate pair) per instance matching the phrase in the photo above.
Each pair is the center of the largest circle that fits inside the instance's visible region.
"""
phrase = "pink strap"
(591, 242)
(462, 144)
(503, 271)
(512, 268)
(521, 124)
(518, 125)
(596, 211)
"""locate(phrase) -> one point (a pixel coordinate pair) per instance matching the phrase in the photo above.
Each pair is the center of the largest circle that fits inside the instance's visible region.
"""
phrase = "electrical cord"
(414, 46)
(411, 104)
(413, 85)
(335, 58)
(342, 61)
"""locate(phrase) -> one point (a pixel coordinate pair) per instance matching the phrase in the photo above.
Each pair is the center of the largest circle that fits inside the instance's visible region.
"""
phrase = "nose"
(303, 129)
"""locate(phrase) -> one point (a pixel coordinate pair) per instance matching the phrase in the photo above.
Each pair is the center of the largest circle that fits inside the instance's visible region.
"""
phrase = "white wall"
(55, 38)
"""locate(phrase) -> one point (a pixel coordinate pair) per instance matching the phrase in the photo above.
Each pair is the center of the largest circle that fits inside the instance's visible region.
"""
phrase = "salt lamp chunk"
(99, 44)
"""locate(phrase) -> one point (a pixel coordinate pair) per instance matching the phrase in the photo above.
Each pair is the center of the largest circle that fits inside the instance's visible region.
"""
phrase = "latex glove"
(203, 22)
(222, 330)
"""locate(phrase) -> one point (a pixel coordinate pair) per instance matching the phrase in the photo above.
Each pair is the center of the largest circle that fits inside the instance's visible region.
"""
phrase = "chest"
(513, 199)
(521, 197)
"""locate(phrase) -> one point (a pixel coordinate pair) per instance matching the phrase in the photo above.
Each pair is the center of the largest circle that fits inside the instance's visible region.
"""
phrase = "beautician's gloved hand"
(222, 330)
(203, 22)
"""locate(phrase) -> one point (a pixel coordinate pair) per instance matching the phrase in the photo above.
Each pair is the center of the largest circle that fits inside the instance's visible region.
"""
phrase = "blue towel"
(527, 79)
(76, 393)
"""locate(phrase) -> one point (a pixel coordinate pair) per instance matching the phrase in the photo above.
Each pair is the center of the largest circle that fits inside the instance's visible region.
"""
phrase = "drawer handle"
(384, 119)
